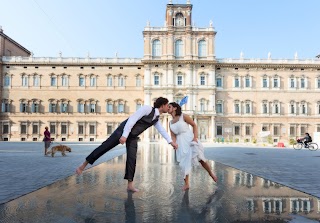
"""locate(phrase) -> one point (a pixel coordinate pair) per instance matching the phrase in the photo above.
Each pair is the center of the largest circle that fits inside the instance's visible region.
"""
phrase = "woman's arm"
(189, 120)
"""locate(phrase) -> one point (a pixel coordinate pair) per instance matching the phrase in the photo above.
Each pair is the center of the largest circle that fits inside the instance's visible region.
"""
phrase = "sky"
(102, 28)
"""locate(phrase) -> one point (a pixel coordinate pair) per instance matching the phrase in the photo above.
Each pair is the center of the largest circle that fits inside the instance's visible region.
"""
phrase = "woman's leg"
(186, 183)
(207, 167)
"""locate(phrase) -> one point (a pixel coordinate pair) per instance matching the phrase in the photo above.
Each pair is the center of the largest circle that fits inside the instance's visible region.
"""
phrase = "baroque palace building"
(85, 99)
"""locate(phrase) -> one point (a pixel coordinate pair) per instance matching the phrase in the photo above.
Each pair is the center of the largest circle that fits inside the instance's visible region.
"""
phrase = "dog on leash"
(61, 148)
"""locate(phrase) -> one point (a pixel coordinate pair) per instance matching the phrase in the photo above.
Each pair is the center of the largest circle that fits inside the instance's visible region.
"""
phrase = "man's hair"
(307, 133)
(159, 102)
(175, 105)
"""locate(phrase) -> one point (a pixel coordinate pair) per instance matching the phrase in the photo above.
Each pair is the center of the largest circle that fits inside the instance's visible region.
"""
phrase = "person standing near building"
(46, 140)
(128, 133)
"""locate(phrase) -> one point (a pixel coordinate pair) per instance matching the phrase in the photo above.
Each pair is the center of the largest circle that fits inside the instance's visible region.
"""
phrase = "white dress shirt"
(144, 111)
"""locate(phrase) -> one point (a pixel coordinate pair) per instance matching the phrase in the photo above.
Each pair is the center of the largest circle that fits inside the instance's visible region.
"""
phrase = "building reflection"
(100, 195)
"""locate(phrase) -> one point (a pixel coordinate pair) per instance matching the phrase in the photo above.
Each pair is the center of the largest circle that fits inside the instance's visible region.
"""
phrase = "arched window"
(178, 48)
(202, 48)
(179, 20)
(156, 48)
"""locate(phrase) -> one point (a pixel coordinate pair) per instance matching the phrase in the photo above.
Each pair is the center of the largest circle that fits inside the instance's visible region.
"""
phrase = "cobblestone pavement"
(24, 168)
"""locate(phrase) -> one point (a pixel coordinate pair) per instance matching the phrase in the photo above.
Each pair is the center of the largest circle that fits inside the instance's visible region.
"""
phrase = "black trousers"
(113, 141)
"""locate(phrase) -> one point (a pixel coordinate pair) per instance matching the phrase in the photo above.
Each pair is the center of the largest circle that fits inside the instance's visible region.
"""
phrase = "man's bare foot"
(186, 187)
(132, 189)
(79, 170)
(215, 178)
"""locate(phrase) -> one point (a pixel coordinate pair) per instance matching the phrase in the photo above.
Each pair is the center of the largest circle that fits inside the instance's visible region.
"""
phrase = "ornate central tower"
(179, 60)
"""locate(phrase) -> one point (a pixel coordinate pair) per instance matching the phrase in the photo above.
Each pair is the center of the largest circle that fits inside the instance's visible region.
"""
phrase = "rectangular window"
(5, 107)
(292, 131)
(92, 108)
(202, 80)
(248, 110)
(265, 83)
(219, 82)
(81, 81)
(92, 129)
(92, 81)
(138, 82)
(318, 130)
(236, 82)
(35, 129)
(156, 80)
(53, 81)
(275, 83)
(248, 130)
(303, 84)
(138, 106)
(81, 108)
(64, 81)
(219, 130)
(23, 128)
(302, 130)
(109, 129)
(179, 80)
(236, 108)
(219, 108)
(291, 83)
(80, 129)
(121, 108)
(64, 108)
(265, 108)
(276, 130)
(52, 128)
(318, 83)
(110, 108)
(109, 81)
(5, 129)
(247, 82)
(63, 128)
(121, 82)
(237, 130)
(36, 81)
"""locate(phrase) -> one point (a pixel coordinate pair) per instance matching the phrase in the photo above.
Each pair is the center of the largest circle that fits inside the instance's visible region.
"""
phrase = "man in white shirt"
(128, 132)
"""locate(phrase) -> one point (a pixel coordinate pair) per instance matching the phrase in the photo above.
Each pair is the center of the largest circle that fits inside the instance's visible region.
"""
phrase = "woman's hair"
(159, 102)
(175, 105)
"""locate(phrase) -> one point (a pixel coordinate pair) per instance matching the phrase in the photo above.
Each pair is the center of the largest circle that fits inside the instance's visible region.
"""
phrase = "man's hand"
(174, 145)
(122, 140)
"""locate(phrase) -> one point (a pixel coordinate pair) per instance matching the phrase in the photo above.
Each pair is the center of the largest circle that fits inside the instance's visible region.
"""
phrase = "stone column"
(170, 75)
(147, 76)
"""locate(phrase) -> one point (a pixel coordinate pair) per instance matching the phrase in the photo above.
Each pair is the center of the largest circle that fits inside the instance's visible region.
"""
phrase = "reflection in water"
(100, 195)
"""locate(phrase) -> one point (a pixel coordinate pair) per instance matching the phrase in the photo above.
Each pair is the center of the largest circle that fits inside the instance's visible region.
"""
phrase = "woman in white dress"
(190, 150)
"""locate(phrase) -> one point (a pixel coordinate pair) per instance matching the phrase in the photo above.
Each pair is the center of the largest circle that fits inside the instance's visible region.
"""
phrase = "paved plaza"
(252, 182)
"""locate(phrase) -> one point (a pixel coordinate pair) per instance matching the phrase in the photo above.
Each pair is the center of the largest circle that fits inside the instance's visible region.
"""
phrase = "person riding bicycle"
(306, 139)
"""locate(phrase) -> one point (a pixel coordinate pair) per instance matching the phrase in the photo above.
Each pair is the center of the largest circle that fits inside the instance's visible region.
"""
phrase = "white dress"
(189, 153)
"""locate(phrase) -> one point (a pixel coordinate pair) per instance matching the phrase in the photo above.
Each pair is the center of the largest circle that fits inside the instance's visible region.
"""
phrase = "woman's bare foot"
(186, 187)
(79, 170)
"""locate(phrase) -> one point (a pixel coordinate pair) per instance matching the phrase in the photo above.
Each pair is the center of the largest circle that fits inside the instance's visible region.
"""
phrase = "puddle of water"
(100, 195)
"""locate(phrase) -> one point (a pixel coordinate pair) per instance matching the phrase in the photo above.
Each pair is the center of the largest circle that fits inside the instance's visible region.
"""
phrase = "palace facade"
(85, 99)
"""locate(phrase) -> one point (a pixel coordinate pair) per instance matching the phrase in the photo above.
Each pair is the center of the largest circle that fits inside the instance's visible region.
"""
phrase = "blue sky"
(104, 27)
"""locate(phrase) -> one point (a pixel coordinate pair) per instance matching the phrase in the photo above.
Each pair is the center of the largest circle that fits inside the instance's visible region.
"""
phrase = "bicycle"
(312, 146)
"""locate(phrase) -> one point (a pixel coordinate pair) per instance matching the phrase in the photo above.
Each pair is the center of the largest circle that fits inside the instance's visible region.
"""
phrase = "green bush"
(237, 140)
(254, 140)
(231, 140)
(218, 140)
(292, 141)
